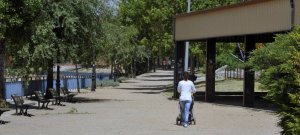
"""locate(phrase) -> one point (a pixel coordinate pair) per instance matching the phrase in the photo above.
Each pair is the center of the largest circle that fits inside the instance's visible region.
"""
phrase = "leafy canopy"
(279, 63)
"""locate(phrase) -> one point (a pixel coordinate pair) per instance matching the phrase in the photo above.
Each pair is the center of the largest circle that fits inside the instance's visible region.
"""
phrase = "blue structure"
(68, 80)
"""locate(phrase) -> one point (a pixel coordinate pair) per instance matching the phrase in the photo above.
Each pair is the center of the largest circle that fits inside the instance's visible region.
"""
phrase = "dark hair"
(185, 74)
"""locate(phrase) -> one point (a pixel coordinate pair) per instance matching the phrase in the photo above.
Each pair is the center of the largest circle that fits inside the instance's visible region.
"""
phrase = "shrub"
(3, 104)
(279, 64)
(107, 83)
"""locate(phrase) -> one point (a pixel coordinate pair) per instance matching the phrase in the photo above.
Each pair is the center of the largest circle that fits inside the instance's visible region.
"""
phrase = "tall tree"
(16, 18)
(154, 18)
(28, 32)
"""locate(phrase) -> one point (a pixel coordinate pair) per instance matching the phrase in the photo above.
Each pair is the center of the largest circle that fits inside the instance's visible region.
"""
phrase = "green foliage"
(28, 31)
(227, 59)
(30, 39)
(120, 46)
(153, 20)
(280, 66)
(207, 4)
(3, 104)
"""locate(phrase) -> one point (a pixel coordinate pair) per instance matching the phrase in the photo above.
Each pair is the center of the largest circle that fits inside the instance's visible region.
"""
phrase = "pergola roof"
(260, 18)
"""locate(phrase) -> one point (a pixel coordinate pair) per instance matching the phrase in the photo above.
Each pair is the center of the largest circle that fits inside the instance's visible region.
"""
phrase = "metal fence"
(229, 74)
(234, 73)
(22, 87)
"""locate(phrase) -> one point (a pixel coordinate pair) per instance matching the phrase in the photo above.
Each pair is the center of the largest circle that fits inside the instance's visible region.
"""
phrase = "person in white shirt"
(186, 88)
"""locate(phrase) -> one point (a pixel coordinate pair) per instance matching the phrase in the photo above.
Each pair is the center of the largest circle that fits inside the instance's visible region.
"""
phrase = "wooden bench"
(68, 94)
(41, 99)
(19, 103)
(57, 98)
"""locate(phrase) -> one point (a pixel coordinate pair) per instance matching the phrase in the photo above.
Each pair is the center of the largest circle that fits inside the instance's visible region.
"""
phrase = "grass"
(221, 86)
(230, 86)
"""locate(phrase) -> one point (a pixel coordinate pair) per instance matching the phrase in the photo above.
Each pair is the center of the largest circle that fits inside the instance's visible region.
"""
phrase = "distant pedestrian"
(186, 88)
(169, 64)
(164, 64)
(192, 77)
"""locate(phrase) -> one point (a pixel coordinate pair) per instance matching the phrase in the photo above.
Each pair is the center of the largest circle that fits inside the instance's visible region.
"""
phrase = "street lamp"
(58, 30)
(187, 44)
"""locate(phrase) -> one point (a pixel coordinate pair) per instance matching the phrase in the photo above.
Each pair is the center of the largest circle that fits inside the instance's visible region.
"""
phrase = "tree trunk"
(192, 64)
(197, 63)
(158, 61)
(134, 68)
(131, 68)
(115, 71)
(111, 69)
(2, 79)
(77, 78)
(148, 64)
(49, 79)
(154, 65)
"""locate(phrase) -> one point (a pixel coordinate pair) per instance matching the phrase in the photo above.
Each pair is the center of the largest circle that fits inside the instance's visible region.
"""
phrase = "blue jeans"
(185, 110)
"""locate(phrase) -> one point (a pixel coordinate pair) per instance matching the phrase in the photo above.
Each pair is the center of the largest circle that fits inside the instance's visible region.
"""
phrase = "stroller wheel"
(177, 121)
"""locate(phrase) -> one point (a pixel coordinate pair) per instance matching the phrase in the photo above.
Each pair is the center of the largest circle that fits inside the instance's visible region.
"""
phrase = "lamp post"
(187, 44)
(58, 30)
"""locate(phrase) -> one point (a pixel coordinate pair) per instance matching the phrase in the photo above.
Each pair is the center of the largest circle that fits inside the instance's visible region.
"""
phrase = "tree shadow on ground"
(152, 86)
(4, 122)
(93, 100)
(157, 80)
(31, 107)
(151, 92)
(128, 82)
(158, 76)
(237, 100)
(142, 88)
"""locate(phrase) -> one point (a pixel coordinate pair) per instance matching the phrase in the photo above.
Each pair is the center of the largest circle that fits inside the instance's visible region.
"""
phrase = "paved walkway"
(137, 107)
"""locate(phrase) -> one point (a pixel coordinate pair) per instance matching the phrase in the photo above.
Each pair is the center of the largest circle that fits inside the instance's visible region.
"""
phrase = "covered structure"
(255, 21)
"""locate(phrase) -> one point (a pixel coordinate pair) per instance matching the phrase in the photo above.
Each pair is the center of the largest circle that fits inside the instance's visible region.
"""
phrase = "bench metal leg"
(16, 110)
(47, 104)
(38, 104)
(25, 113)
(43, 105)
(22, 110)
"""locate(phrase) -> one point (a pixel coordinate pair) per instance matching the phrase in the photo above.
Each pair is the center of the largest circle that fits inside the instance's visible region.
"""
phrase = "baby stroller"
(191, 120)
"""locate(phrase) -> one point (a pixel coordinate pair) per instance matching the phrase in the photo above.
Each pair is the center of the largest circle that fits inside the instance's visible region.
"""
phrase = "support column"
(210, 70)
(178, 66)
(249, 77)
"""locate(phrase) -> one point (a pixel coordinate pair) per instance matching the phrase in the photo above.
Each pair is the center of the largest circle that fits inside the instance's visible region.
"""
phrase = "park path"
(137, 107)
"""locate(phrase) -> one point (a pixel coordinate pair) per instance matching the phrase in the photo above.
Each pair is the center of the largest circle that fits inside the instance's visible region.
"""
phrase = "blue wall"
(68, 80)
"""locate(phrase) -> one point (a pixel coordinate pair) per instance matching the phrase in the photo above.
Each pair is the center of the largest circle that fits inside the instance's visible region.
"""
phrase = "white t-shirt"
(186, 88)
